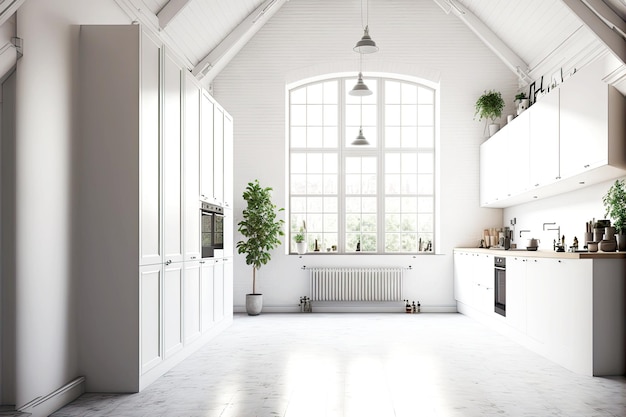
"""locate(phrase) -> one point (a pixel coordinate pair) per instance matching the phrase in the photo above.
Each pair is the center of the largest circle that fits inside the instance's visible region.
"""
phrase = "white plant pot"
(523, 105)
(493, 128)
(301, 248)
(254, 304)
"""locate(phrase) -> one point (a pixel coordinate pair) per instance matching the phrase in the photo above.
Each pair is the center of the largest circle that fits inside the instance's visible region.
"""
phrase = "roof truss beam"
(607, 26)
(506, 54)
(219, 57)
(170, 10)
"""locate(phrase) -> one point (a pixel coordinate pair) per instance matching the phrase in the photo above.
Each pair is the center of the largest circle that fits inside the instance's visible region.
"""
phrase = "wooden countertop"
(546, 253)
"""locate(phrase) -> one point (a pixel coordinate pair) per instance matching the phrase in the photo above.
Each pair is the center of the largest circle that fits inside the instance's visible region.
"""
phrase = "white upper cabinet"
(572, 137)
(544, 140)
(218, 154)
(172, 162)
(206, 148)
(192, 169)
(228, 160)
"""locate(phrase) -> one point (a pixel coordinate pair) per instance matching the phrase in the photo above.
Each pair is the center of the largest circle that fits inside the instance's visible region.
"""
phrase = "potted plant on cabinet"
(615, 205)
(489, 106)
(262, 232)
(522, 102)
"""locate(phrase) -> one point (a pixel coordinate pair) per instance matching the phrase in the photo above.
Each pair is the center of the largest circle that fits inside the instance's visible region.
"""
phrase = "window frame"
(343, 151)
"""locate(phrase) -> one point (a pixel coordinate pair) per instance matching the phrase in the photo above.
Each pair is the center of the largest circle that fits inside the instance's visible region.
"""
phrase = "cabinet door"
(493, 180)
(228, 288)
(540, 292)
(172, 308)
(482, 267)
(462, 277)
(544, 140)
(172, 162)
(228, 160)
(516, 293)
(150, 316)
(218, 154)
(208, 318)
(192, 301)
(218, 290)
(192, 170)
(206, 148)
(584, 121)
(517, 155)
(149, 150)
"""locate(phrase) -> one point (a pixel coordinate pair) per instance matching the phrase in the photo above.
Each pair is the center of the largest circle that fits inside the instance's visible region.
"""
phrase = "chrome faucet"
(523, 231)
(556, 241)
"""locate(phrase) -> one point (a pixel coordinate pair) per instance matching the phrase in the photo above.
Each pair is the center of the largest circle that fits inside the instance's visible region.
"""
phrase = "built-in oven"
(500, 285)
(211, 229)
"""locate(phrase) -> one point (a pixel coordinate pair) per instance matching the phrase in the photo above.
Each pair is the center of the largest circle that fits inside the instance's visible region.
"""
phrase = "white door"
(218, 290)
(192, 170)
(218, 154)
(150, 316)
(192, 301)
(172, 309)
(206, 148)
(206, 284)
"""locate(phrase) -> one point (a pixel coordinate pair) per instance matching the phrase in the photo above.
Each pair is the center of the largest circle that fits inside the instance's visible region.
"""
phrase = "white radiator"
(356, 284)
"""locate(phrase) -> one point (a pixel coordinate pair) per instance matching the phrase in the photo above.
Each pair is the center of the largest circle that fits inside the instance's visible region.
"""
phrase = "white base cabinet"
(569, 310)
(146, 300)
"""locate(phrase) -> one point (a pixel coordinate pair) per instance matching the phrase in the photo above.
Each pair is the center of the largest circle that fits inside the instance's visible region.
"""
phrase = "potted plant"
(489, 106)
(615, 205)
(262, 232)
(523, 102)
(300, 239)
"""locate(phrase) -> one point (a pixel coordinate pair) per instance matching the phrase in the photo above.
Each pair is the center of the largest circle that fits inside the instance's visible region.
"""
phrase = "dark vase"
(621, 241)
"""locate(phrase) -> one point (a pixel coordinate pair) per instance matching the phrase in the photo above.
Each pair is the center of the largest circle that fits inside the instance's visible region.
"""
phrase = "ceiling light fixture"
(366, 44)
(360, 139)
(360, 88)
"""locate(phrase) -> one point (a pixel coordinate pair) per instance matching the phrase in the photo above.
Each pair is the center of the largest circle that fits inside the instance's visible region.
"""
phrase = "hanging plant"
(489, 106)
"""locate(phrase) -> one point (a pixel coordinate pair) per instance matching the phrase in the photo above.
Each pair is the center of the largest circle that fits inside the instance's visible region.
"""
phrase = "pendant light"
(366, 44)
(360, 139)
(360, 88)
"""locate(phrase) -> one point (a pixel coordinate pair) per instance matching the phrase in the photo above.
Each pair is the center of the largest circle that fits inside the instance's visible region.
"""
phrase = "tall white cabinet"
(147, 300)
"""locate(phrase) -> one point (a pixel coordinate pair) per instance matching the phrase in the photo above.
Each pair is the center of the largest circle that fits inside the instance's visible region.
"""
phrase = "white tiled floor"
(378, 365)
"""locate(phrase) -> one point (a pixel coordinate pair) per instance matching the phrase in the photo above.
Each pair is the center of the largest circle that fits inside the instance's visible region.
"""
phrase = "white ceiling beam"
(170, 10)
(9, 10)
(221, 55)
(600, 25)
(506, 54)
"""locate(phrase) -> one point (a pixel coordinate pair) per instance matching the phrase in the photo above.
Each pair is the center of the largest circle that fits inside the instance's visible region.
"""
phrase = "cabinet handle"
(169, 261)
(557, 178)
(201, 262)
(536, 185)
(587, 166)
(193, 257)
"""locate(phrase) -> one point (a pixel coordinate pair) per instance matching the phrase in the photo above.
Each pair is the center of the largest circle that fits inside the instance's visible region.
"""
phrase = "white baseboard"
(335, 307)
(48, 404)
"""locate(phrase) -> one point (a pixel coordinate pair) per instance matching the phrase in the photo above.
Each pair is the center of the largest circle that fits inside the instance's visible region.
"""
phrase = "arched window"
(376, 198)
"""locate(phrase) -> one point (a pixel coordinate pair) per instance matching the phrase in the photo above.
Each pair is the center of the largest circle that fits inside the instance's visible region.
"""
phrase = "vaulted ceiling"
(530, 36)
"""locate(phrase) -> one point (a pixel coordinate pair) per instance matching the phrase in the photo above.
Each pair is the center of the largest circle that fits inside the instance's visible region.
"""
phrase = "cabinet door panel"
(172, 166)
(192, 301)
(544, 140)
(218, 154)
(206, 147)
(150, 311)
(228, 288)
(516, 293)
(517, 151)
(228, 160)
(192, 170)
(207, 295)
(218, 291)
(149, 147)
(172, 304)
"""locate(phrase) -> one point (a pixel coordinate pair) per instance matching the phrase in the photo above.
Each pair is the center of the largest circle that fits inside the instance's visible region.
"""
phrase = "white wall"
(46, 76)
(570, 211)
(313, 37)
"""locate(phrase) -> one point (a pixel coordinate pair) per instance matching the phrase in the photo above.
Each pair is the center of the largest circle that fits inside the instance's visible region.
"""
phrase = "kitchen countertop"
(546, 253)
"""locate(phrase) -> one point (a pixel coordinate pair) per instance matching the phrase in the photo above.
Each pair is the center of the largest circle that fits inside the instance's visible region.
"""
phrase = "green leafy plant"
(615, 205)
(299, 237)
(489, 106)
(520, 96)
(259, 227)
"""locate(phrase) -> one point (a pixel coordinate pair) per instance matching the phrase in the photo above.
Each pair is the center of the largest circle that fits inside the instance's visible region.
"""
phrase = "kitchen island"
(568, 307)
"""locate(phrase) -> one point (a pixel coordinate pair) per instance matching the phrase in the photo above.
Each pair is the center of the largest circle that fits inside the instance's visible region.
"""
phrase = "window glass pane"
(298, 184)
(330, 115)
(425, 95)
(314, 163)
(425, 184)
(425, 115)
(392, 184)
(409, 163)
(314, 115)
(369, 204)
(409, 184)
(426, 137)
(314, 222)
(369, 165)
(330, 163)
(409, 223)
(425, 163)
(330, 92)
(330, 137)
(353, 165)
(409, 204)
(392, 205)
(353, 184)
(330, 223)
(369, 115)
(409, 115)
(392, 242)
(298, 96)
(425, 205)
(409, 93)
(314, 137)
(353, 223)
(409, 242)
(392, 163)
(298, 163)
(314, 94)
(298, 115)
(409, 137)
(392, 115)
(298, 137)
(392, 222)
(353, 115)
(368, 223)
(392, 92)
(369, 184)
(353, 204)
(373, 86)
(314, 204)
(298, 204)
(368, 242)
(392, 137)
(330, 205)
(314, 184)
